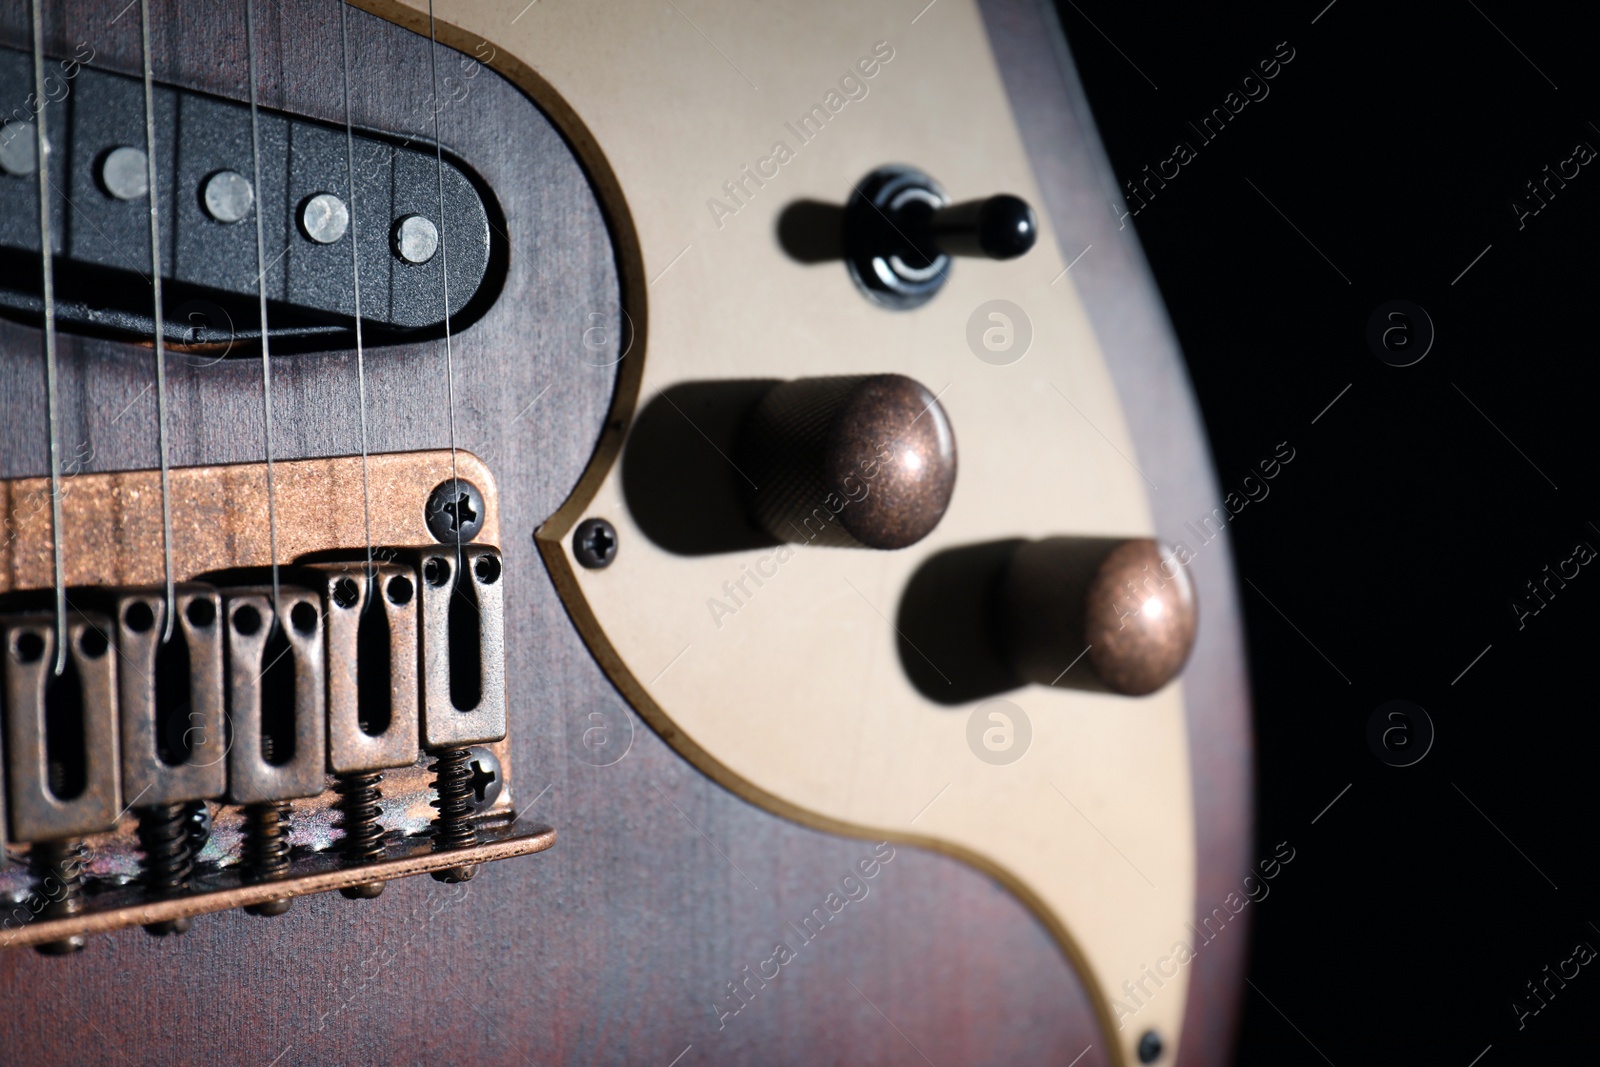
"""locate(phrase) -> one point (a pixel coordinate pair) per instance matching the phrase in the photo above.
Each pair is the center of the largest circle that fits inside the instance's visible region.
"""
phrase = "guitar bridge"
(336, 722)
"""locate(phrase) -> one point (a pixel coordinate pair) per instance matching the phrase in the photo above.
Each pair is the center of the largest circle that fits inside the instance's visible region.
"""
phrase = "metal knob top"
(859, 461)
(1126, 607)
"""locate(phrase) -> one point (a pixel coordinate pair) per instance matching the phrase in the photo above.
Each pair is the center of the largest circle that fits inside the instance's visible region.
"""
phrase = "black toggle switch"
(1001, 227)
(901, 230)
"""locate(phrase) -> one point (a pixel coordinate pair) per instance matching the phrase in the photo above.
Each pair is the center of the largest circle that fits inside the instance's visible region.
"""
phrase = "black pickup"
(101, 221)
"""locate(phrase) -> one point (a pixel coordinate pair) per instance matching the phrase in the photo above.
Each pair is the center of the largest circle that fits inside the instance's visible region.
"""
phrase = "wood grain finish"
(614, 945)
(112, 522)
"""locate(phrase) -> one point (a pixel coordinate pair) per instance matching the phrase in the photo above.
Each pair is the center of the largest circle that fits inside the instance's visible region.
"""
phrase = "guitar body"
(689, 853)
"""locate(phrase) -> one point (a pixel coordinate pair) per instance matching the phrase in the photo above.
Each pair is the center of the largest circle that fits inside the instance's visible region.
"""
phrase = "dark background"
(1385, 558)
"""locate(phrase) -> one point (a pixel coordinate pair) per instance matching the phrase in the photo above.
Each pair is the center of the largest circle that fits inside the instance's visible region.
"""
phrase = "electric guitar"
(672, 510)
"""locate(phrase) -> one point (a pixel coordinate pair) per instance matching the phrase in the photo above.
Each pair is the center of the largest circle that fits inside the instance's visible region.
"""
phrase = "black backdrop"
(1382, 163)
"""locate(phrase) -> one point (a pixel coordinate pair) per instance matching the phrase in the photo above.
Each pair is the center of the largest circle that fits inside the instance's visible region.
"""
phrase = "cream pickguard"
(796, 698)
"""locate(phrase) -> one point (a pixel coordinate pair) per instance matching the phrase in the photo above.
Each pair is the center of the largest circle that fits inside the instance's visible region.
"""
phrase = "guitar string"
(355, 272)
(47, 268)
(261, 292)
(444, 269)
(161, 341)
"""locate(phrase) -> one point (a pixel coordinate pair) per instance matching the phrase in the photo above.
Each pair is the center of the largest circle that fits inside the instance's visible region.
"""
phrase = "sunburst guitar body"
(634, 531)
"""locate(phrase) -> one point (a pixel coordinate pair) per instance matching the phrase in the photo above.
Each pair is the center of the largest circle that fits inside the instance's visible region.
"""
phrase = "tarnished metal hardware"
(229, 730)
(455, 512)
(276, 695)
(360, 807)
(170, 696)
(171, 714)
(58, 870)
(277, 705)
(114, 907)
(865, 461)
(324, 218)
(266, 852)
(112, 531)
(1126, 606)
(222, 878)
(466, 781)
(62, 774)
(227, 196)
(453, 828)
(369, 626)
(168, 856)
(487, 777)
(462, 611)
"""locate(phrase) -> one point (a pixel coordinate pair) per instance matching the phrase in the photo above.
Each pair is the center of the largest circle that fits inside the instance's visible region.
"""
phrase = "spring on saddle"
(453, 827)
(266, 840)
(359, 808)
(168, 852)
